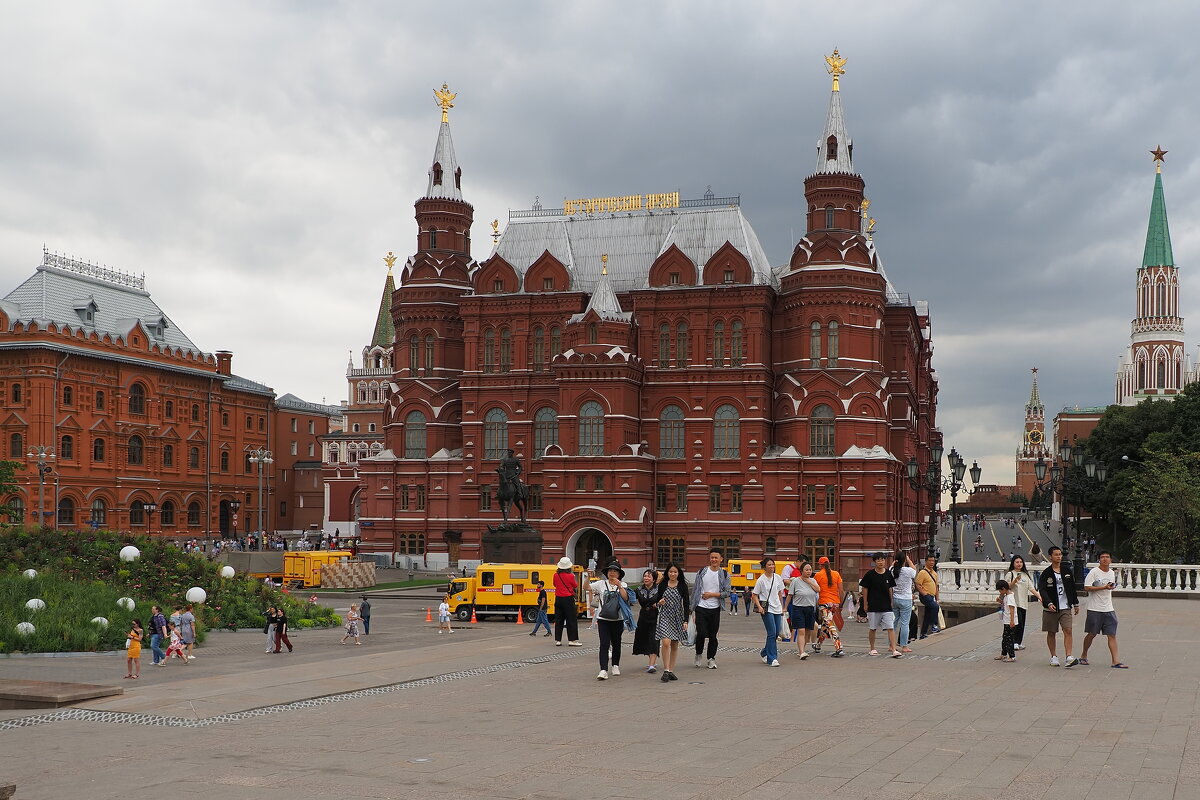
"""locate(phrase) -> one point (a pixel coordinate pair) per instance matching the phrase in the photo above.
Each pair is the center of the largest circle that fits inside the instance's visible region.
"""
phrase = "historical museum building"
(665, 388)
(120, 421)
(1155, 365)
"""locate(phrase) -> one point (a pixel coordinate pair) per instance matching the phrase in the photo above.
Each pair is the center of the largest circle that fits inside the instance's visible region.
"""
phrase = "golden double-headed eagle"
(444, 97)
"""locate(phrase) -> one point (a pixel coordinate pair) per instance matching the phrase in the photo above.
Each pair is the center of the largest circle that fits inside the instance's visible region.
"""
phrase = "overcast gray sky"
(257, 160)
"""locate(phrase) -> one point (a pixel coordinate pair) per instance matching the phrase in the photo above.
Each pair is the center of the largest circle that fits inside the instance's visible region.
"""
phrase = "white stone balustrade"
(976, 581)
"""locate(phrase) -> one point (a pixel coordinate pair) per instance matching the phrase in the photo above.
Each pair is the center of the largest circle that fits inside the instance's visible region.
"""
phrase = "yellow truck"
(743, 572)
(505, 590)
(299, 568)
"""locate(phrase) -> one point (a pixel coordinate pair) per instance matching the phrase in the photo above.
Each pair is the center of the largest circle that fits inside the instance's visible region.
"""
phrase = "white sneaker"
(191, 658)
(1018, 647)
(803, 654)
(616, 670)
(1054, 661)
(699, 660)
(575, 644)
(558, 644)
(603, 676)
(774, 663)
(712, 663)
(765, 659)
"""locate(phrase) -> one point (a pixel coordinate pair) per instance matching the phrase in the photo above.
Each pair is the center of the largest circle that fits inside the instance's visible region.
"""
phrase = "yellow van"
(743, 572)
(504, 590)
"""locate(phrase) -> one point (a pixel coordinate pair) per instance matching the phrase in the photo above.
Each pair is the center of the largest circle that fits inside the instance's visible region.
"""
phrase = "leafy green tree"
(8, 485)
(1163, 507)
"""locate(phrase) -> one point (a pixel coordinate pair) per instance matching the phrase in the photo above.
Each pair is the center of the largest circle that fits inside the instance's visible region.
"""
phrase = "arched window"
(429, 339)
(16, 507)
(168, 455)
(489, 350)
(66, 447)
(555, 342)
(670, 432)
(1160, 372)
(545, 430)
(821, 431)
(137, 399)
(727, 433)
(437, 174)
(137, 451)
(769, 545)
(99, 401)
(1141, 371)
(539, 349)
(814, 344)
(593, 333)
(591, 429)
(681, 345)
(718, 345)
(833, 343)
(831, 148)
(166, 514)
(432, 238)
(249, 422)
(66, 512)
(16, 392)
(736, 352)
(16, 446)
(414, 435)
(169, 409)
(362, 393)
(224, 461)
(193, 514)
(829, 214)
(99, 516)
(195, 412)
(495, 434)
(97, 449)
(664, 345)
(137, 513)
(414, 352)
(193, 458)
(505, 350)
(68, 395)
(1160, 298)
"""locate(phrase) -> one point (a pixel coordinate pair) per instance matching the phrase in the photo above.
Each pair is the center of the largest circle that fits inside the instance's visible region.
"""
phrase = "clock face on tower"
(1035, 437)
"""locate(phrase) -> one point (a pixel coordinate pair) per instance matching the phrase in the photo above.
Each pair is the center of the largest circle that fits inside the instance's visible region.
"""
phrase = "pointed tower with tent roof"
(1155, 365)
(1033, 443)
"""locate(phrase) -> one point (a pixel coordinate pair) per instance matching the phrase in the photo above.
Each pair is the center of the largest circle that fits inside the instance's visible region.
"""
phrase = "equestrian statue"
(511, 491)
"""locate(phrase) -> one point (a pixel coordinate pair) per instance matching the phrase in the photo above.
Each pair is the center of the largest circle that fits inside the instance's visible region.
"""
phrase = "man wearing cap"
(708, 597)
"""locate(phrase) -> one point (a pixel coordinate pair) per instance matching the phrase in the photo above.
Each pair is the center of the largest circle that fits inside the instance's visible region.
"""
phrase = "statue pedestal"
(512, 543)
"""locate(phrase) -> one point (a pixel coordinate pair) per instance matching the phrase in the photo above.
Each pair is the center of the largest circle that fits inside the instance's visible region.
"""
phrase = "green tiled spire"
(1158, 235)
(385, 331)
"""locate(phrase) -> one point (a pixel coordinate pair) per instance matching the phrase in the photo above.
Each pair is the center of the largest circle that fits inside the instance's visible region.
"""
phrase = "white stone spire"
(445, 178)
(835, 141)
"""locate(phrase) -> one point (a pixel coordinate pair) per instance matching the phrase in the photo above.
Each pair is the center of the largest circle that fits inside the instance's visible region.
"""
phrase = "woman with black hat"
(609, 592)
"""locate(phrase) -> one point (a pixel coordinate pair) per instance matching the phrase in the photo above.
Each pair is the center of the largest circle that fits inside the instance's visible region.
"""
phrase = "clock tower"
(1033, 443)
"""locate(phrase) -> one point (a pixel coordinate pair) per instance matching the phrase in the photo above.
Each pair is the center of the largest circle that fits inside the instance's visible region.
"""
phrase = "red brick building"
(134, 413)
(665, 387)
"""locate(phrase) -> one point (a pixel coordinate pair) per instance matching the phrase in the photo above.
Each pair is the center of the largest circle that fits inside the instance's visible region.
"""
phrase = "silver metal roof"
(604, 302)
(632, 241)
(63, 290)
(246, 385)
(443, 154)
(835, 125)
(291, 402)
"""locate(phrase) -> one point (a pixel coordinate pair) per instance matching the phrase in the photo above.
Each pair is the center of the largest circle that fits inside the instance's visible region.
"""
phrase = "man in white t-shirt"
(1101, 616)
(711, 588)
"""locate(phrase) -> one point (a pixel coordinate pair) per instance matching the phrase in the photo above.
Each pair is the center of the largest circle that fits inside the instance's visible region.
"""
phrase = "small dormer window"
(498, 285)
(458, 178)
(728, 276)
(674, 278)
(548, 284)
(593, 333)
(831, 148)
(437, 174)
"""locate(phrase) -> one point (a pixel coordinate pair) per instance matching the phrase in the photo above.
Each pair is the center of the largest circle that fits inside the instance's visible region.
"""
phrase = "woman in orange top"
(829, 599)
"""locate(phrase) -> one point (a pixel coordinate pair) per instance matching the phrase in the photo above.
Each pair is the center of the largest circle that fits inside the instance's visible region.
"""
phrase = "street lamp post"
(958, 468)
(42, 454)
(260, 456)
(150, 508)
(1071, 455)
(932, 481)
(234, 505)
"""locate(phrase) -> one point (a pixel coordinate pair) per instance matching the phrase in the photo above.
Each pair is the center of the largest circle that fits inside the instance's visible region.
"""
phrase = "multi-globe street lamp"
(234, 505)
(1061, 483)
(150, 508)
(42, 454)
(958, 469)
(932, 481)
(261, 456)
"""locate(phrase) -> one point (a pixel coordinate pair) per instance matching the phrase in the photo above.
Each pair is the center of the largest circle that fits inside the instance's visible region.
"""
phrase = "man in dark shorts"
(1101, 616)
(1059, 604)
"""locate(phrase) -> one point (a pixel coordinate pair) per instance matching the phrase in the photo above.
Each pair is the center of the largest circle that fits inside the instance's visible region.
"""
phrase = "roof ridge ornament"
(445, 96)
(835, 67)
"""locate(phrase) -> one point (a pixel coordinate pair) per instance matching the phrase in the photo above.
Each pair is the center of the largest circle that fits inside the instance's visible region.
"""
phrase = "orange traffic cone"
(429, 615)
(520, 616)
(473, 620)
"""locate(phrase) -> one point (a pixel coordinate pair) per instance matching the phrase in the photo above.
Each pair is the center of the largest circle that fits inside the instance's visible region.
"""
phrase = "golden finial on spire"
(389, 259)
(1158, 154)
(835, 67)
(604, 264)
(866, 203)
(495, 231)
(444, 96)
(870, 226)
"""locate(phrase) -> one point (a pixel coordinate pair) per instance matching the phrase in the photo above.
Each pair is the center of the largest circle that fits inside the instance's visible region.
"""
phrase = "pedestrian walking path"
(494, 713)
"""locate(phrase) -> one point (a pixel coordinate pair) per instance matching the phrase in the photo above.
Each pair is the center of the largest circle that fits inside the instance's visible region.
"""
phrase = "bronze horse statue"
(511, 492)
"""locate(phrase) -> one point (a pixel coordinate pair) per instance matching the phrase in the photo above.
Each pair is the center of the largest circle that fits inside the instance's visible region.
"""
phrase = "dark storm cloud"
(257, 161)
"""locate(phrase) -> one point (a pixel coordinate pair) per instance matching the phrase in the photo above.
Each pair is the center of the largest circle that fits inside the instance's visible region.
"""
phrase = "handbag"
(127, 641)
(941, 620)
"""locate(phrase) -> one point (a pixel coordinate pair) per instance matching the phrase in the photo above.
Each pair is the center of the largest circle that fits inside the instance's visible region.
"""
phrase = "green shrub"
(80, 576)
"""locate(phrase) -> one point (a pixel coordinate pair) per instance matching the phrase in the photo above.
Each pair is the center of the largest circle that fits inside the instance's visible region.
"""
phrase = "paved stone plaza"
(490, 712)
